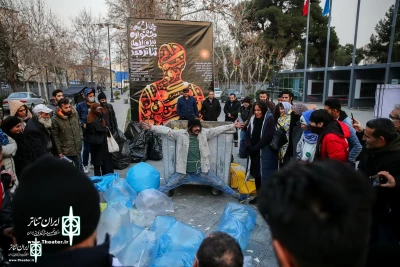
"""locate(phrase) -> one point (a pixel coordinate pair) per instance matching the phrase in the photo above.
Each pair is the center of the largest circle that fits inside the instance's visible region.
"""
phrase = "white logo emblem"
(71, 226)
(35, 249)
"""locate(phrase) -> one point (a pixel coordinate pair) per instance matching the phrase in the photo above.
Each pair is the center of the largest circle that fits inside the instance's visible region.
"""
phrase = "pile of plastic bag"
(143, 144)
(238, 220)
(122, 158)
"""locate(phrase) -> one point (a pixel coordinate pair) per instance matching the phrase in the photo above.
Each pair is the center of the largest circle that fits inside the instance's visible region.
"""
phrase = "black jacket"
(245, 113)
(39, 137)
(211, 110)
(96, 133)
(232, 108)
(82, 257)
(111, 119)
(25, 154)
(387, 204)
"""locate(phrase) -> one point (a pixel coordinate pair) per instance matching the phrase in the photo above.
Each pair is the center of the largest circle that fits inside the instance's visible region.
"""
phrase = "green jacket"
(67, 133)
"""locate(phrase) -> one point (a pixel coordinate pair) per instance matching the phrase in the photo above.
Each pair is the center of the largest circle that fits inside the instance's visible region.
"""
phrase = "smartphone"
(377, 180)
(352, 117)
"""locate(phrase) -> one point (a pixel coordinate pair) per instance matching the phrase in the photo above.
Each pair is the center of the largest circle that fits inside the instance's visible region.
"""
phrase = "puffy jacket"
(188, 107)
(82, 107)
(67, 133)
(9, 152)
(232, 108)
(210, 111)
(332, 143)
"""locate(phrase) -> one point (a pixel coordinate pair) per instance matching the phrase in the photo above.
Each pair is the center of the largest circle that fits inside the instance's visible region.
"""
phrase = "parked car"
(75, 93)
(217, 93)
(28, 98)
(227, 92)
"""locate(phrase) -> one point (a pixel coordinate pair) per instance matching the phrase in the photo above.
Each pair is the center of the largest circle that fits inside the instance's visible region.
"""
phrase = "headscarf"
(94, 114)
(309, 137)
(287, 106)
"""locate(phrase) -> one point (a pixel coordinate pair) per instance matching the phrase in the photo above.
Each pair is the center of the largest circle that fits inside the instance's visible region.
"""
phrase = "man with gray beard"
(38, 132)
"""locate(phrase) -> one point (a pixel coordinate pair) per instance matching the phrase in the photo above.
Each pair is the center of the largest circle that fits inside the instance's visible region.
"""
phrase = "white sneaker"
(85, 169)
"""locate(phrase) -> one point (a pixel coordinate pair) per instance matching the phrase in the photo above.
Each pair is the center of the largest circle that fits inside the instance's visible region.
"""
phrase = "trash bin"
(220, 150)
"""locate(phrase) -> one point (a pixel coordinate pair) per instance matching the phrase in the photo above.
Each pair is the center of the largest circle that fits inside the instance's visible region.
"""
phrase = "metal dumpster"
(220, 150)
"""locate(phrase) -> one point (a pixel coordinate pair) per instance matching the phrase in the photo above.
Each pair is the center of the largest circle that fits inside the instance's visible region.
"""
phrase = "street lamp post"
(120, 68)
(47, 85)
(109, 57)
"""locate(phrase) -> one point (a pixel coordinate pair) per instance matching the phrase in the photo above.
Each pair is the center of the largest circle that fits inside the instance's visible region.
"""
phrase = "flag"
(326, 8)
(305, 7)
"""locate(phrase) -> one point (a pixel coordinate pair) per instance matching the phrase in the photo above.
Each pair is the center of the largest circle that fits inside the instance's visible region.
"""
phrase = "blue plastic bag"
(140, 251)
(120, 191)
(143, 176)
(102, 183)
(238, 220)
(176, 237)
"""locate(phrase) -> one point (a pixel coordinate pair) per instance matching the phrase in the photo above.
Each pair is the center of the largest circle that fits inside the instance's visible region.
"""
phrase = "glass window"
(340, 89)
(18, 95)
(368, 89)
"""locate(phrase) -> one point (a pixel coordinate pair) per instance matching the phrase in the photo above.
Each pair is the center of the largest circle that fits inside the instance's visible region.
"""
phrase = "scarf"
(309, 137)
(287, 106)
(3, 138)
(94, 114)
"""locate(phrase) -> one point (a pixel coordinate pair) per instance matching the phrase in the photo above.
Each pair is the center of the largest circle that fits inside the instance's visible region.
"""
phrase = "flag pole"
(306, 54)
(325, 92)
(353, 60)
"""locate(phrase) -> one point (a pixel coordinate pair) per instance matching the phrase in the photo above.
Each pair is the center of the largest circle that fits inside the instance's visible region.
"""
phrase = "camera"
(377, 180)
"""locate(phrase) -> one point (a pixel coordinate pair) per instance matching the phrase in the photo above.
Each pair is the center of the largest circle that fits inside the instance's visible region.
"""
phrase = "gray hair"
(397, 106)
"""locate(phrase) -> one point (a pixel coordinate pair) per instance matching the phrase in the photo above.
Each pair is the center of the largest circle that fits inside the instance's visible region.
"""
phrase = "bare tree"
(88, 36)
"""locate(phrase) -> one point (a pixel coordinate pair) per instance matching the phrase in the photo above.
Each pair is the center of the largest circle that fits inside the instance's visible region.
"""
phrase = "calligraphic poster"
(165, 57)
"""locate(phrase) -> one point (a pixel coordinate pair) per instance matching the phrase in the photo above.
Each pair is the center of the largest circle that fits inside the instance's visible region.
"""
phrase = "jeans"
(85, 153)
(198, 177)
(242, 135)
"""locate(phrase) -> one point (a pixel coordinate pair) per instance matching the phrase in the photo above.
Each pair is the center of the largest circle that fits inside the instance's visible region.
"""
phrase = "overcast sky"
(343, 15)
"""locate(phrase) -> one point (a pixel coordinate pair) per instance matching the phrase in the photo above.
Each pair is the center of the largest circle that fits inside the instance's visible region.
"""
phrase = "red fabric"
(305, 7)
(335, 146)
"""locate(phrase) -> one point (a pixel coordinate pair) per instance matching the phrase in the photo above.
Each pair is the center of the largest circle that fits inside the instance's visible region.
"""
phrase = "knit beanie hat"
(299, 108)
(9, 123)
(102, 95)
(193, 121)
(54, 202)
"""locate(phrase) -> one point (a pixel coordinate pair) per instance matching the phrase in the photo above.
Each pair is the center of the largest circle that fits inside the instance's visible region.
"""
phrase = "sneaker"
(85, 169)
(242, 198)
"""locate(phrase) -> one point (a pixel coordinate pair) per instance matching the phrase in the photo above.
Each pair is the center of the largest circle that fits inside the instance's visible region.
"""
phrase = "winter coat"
(9, 152)
(97, 138)
(78, 257)
(39, 137)
(284, 121)
(387, 158)
(25, 154)
(82, 108)
(110, 118)
(269, 158)
(53, 106)
(14, 106)
(355, 147)
(188, 107)
(5, 209)
(332, 143)
(245, 113)
(182, 144)
(232, 108)
(67, 133)
(210, 111)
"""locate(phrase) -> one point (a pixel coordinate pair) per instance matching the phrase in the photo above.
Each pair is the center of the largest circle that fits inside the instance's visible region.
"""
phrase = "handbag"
(111, 143)
(279, 139)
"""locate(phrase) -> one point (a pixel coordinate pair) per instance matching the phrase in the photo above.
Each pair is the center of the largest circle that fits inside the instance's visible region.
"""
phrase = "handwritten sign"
(143, 39)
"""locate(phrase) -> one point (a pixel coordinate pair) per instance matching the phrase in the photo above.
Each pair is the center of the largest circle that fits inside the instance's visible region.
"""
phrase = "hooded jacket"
(67, 133)
(332, 143)
(15, 105)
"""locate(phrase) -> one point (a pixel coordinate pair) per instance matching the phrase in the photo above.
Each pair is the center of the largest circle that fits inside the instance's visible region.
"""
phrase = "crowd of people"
(328, 187)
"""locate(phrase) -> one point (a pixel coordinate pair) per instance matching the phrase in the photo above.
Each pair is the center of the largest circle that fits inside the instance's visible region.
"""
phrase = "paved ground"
(196, 206)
